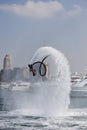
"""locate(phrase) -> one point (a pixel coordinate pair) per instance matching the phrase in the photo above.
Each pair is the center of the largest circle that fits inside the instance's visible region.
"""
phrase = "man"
(32, 70)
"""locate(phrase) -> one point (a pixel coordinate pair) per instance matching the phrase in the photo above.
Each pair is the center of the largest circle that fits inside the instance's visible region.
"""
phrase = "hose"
(40, 67)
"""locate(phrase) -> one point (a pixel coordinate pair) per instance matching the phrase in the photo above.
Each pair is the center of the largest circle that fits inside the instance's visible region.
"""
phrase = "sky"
(26, 25)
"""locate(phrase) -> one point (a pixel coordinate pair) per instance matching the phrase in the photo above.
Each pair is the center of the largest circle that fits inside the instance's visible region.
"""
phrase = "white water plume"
(51, 96)
(46, 97)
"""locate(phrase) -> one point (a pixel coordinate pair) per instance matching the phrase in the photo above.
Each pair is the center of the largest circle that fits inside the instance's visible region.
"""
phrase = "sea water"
(76, 119)
(20, 119)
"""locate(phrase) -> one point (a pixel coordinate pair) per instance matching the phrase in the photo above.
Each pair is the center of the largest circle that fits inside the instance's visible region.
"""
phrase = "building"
(20, 74)
(9, 74)
(6, 72)
(7, 62)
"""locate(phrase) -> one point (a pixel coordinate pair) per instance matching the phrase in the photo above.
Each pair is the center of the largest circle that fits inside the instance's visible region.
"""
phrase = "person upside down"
(42, 66)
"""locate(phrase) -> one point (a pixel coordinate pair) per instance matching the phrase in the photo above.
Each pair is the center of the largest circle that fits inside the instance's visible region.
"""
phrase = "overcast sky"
(26, 25)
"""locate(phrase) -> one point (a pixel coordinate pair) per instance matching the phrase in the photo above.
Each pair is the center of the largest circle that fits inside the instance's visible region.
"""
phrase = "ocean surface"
(76, 119)
(19, 119)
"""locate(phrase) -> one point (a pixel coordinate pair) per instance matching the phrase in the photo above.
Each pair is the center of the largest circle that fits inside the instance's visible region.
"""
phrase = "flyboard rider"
(42, 65)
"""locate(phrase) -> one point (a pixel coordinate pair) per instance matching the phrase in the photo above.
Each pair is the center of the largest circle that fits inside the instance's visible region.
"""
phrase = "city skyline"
(10, 73)
(8, 64)
(26, 25)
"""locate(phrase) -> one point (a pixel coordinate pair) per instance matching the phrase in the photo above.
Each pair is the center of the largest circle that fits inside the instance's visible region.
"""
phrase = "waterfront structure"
(9, 73)
(6, 72)
(7, 62)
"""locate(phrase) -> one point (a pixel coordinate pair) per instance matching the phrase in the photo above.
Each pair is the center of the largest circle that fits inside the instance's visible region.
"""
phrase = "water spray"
(48, 97)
